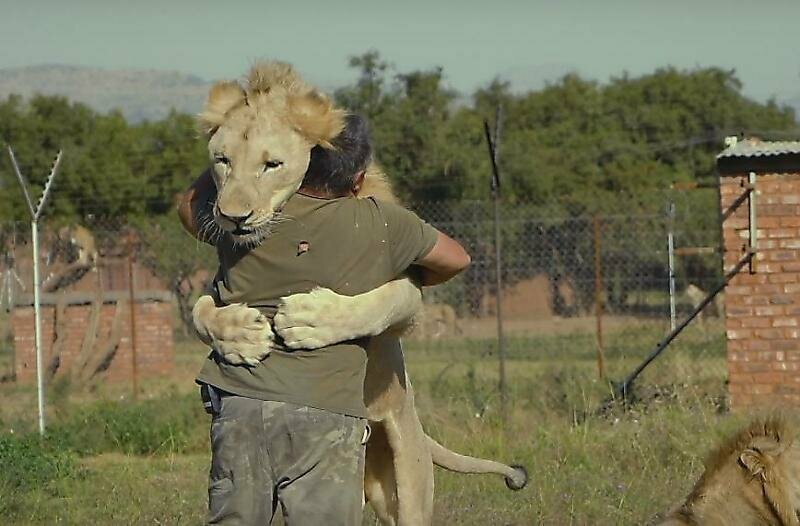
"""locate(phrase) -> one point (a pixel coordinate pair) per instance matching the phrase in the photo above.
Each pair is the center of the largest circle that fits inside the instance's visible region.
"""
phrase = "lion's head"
(753, 479)
(260, 138)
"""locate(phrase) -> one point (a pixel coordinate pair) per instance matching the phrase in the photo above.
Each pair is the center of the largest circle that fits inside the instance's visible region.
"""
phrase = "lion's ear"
(314, 116)
(759, 459)
(222, 98)
(754, 462)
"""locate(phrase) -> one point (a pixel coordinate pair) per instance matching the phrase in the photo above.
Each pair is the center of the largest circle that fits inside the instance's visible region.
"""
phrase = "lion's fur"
(751, 479)
(377, 185)
(275, 84)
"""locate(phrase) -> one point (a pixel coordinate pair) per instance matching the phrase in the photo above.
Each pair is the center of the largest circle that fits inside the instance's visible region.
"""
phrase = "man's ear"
(358, 181)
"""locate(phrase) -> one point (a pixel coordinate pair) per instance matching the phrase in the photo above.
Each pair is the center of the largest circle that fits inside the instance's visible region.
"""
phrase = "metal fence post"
(37, 328)
(671, 257)
(36, 213)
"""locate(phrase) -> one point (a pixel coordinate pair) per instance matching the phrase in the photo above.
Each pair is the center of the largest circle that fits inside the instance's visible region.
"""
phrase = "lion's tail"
(516, 476)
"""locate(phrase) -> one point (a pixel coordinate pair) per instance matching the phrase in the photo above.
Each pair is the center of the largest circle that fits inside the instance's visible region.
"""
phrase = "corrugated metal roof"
(758, 148)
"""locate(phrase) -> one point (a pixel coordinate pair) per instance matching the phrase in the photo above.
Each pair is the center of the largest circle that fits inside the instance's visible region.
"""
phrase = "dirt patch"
(530, 298)
(535, 298)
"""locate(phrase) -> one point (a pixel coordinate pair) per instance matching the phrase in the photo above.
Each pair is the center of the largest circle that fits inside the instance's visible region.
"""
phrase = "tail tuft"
(520, 478)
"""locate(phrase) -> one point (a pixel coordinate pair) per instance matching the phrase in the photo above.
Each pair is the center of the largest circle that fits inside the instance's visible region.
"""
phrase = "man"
(291, 430)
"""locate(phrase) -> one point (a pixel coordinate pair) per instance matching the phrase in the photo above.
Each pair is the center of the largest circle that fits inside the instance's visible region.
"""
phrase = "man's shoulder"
(390, 208)
(360, 211)
(365, 207)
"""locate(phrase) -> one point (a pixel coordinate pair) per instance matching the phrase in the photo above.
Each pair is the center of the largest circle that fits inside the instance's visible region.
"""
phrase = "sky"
(526, 42)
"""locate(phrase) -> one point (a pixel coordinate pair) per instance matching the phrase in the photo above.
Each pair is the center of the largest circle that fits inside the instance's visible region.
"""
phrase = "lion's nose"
(235, 221)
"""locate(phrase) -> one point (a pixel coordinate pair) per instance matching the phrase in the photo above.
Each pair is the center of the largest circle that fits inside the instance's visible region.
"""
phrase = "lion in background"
(752, 479)
(260, 138)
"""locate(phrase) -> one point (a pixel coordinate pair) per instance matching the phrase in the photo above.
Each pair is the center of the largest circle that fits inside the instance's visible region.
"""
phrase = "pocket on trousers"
(220, 492)
(220, 485)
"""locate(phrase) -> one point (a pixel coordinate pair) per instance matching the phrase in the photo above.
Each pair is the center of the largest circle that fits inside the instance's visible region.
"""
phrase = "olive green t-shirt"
(346, 244)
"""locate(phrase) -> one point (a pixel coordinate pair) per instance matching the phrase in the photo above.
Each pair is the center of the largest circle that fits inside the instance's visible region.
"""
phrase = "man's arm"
(446, 259)
(192, 199)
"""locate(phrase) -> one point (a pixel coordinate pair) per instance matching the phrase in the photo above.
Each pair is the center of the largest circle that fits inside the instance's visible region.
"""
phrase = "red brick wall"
(154, 342)
(763, 309)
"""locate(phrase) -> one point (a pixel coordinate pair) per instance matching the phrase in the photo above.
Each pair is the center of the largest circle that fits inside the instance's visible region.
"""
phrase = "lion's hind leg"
(380, 484)
(413, 466)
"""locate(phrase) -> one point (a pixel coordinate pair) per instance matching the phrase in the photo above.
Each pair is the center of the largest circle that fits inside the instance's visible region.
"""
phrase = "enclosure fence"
(589, 291)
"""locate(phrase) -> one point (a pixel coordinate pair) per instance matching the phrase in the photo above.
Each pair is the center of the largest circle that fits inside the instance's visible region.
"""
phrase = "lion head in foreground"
(260, 135)
(753, 479)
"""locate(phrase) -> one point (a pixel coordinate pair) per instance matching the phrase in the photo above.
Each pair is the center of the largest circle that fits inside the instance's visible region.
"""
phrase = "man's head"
(338, 171)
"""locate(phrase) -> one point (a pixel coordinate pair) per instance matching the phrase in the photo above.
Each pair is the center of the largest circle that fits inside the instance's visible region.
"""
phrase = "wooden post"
(598, 295)
(132, 306)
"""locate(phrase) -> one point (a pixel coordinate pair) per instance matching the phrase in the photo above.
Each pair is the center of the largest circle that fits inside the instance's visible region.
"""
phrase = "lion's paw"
(315, 319)
(241, 335)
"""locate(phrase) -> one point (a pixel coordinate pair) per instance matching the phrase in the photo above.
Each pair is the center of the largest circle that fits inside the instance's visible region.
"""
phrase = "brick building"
(762, 302)
(88, 323)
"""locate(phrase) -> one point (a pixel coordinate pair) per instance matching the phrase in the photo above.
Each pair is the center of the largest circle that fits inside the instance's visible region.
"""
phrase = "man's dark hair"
(333, 170)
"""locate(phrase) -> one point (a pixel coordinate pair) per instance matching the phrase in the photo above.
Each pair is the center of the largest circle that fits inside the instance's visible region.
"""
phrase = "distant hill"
(139, 94)
(151, 94)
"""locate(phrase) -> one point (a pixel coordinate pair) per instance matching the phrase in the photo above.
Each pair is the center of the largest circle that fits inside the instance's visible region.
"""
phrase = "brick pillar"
(763, 309)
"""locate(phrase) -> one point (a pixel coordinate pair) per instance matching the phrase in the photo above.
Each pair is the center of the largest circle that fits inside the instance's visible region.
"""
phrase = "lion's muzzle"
(234, 223)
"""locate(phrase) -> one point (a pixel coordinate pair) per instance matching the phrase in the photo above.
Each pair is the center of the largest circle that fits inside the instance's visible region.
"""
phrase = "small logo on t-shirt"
(302, 247)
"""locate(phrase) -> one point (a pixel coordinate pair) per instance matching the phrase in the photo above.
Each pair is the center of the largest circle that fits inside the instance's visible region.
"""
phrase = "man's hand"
(239, 334)
(322, 317)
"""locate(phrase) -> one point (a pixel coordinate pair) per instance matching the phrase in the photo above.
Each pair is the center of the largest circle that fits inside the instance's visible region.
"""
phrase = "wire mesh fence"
(591, 292)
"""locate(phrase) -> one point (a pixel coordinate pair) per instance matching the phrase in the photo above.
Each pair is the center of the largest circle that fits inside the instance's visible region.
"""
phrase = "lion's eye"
(221, 159)
(272, 164)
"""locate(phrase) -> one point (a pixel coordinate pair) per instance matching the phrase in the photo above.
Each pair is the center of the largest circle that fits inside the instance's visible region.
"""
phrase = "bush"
(146, 427)
(29, 462)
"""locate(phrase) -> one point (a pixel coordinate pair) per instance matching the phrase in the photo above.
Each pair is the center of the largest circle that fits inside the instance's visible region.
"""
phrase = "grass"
(116, 461)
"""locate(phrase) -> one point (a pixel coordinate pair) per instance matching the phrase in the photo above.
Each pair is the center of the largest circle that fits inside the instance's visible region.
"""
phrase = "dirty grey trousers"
(269, 455)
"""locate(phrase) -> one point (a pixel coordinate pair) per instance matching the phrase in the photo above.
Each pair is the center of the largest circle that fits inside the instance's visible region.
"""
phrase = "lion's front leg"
(240, 334)
(323, 317)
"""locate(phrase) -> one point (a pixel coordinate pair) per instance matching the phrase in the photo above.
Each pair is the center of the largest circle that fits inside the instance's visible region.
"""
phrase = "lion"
(278, 112)
(435, 321)
(74, 248)
(696, 296)
(752, 479)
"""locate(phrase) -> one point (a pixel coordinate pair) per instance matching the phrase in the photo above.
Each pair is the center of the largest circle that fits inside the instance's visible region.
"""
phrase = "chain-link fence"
(591, 292)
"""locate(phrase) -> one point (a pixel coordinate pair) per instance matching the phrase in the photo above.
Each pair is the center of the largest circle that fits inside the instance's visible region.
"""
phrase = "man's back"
(348, 245)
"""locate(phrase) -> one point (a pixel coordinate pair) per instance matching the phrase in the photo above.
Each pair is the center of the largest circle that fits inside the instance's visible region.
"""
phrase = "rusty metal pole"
(494, 145)
(132, 303)
(598, 295)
